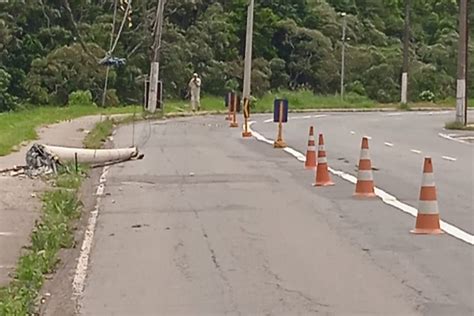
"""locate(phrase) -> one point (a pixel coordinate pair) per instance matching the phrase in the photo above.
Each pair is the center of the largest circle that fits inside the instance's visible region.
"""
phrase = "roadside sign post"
(246, 132)
(228, 101)
(233, 104)
(280, 115)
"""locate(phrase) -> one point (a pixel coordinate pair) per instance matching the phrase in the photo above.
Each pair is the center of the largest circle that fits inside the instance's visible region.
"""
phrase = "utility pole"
(155, 63)
(343, 54)
(461, 90)
(248, 52)
(406, 47)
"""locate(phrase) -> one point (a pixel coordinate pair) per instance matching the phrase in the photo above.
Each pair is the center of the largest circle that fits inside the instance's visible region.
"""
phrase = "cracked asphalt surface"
(212, 224)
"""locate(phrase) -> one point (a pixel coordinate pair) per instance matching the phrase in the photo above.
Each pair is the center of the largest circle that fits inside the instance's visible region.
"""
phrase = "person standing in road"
(195, 89)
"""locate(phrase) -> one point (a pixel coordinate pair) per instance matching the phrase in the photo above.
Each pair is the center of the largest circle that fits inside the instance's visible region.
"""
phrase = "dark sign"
(280, 107)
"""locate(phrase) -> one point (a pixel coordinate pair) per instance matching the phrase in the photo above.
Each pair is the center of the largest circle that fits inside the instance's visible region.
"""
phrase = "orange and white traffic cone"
(310, 162)
(322, 173)
(427, 219)
(365, 178)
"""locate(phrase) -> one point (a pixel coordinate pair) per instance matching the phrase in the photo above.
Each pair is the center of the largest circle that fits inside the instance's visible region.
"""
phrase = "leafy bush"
(7, 101)
(427, 95)
(80, 97)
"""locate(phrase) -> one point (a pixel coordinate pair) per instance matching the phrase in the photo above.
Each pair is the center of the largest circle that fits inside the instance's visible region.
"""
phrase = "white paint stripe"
(295, 153)
(83, 262)
(465, 137)
(353, 133)
(450, 137)
(428, 207)
(300, 117)
(393, 114)
(449, 158)
(365, 175)
(318, 116)
(415, 151)
(428, 180)
(6, 234)
(386, 198)
(268, 121)
(388, 144)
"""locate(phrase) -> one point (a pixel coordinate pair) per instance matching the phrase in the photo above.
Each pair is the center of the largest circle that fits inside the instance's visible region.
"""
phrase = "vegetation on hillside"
(51, 48)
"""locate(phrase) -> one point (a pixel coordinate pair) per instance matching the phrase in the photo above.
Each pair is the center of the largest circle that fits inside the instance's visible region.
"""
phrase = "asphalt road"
(212, 224)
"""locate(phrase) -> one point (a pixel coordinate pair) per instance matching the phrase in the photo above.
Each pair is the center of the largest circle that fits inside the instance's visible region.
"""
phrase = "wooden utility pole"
(155, 63)
(461, 89)
(406, 47)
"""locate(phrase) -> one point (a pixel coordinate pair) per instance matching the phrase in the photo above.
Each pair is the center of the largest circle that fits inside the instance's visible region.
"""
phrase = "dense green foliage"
(47, 53)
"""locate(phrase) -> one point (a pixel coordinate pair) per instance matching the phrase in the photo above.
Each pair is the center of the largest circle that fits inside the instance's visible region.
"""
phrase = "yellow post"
(234, 115)
(279, 143)
(246, 132)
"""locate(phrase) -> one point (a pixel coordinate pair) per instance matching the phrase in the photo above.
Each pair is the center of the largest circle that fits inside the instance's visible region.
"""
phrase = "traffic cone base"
(427, 224)
(324, 184)
(246, 134)
(234, 124)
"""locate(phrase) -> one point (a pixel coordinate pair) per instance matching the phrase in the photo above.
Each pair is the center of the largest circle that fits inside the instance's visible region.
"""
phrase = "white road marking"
(388, 144)
(368, 137)
(83, 262)
(449, 158)
(298, 118)
(393, 114)
(384, 196)
(450, 137)
(415, 151)
(434, 113)
(353, 133)
(6, 234)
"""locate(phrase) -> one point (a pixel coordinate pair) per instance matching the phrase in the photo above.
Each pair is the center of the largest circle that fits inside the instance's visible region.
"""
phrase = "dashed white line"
(6, 234)
(83, 262)
(449, 158)
(388, 144)
(416, 151)
(384, 196)
(268, 121)
(353, 133)
(393, 114)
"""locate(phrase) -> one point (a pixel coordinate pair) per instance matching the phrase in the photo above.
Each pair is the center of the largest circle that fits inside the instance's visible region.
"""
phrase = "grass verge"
(459, 126)
(53, 232)
(21, 126)
(17, 127)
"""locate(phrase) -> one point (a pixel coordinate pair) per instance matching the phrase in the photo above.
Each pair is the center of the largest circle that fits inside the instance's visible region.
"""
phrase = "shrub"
(80, 97)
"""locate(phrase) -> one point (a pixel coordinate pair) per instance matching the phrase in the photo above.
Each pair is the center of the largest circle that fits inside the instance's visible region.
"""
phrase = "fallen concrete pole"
(93, 156)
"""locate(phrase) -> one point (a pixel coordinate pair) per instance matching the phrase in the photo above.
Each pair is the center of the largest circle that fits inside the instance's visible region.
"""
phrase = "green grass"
(21, 126)
(17, 127)
(459, 126)
(96, 138)
(53, 232)
(298, 100)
